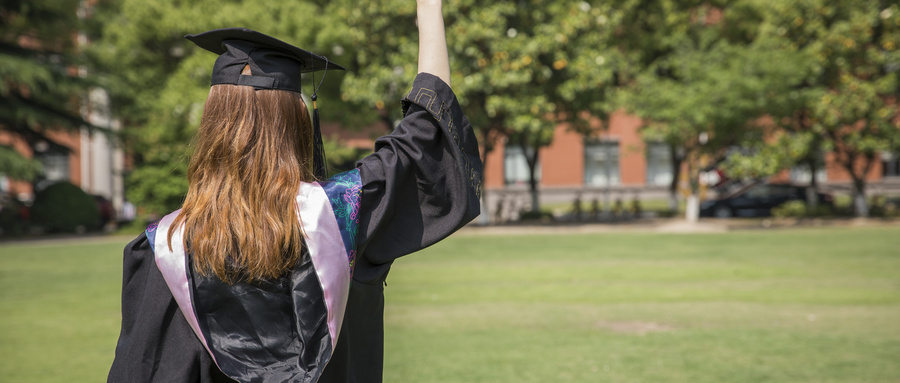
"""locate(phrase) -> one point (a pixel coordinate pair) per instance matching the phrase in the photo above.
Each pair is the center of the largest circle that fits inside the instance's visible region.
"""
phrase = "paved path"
(675, 225)
(57, 240)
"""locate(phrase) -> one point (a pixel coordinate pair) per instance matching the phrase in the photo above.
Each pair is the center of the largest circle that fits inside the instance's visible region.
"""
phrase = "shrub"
(790, 209)
(63, 207)
(543, 216)
(884, 209)
(892, 208)
(12, 221)
(798, 209)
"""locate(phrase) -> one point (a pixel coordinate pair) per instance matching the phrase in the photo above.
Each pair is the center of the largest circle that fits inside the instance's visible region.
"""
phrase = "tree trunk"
(676, 175)
(812, 200)
(532, 182)
(485, 217)
(692, 208)
(804, 123)
(860, 206)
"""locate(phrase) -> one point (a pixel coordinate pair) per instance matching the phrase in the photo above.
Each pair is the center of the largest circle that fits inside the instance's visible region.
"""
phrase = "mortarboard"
(274, 64)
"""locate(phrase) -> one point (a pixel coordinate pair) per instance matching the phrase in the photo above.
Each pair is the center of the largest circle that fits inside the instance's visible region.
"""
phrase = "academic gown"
(421, 184)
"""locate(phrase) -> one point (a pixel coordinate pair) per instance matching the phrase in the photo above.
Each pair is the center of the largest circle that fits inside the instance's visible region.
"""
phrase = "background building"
(616, 163)
(90, 160)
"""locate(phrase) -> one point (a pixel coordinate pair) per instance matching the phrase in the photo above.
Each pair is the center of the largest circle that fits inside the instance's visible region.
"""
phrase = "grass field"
(808, 305)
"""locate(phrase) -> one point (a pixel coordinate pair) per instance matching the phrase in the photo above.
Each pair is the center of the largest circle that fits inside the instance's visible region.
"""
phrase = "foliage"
(847, 103)
(12, 222)
(64, 207)
(518, 68)
(758, 159)
(885, 207)
(341, 158)
(763, 84)
(39, 90)
(696, 75)
(541, 216)
(13, 165)
(799, 209)
(159, 79)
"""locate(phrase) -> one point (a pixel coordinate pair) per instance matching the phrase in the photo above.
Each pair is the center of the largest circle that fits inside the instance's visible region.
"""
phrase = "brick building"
(617, 164)
(91, 161)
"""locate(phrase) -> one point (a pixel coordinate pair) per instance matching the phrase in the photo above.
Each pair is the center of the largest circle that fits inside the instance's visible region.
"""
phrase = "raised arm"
(433, 57)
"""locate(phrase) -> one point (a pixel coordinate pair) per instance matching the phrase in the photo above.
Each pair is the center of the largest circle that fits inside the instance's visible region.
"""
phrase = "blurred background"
(585, 110)
(766, 133)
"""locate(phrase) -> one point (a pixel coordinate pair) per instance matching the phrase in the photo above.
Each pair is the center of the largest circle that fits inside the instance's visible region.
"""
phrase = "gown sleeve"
(422, 183)
(156, 344)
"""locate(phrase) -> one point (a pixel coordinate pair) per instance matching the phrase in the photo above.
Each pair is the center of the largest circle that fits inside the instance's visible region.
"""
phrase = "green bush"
(543, 216)
(11, 221)
(791, 209)
(798, 209)
(892, 208)
(884, 209)
(63, 207)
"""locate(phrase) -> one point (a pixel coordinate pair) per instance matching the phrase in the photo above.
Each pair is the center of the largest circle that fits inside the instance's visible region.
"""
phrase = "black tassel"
(320, 167)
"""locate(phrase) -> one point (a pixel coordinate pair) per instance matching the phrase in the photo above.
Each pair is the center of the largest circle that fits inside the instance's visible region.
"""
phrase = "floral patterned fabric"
(343, 191)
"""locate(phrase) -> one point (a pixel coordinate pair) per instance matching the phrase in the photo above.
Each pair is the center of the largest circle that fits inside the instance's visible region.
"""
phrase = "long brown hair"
(252, 151)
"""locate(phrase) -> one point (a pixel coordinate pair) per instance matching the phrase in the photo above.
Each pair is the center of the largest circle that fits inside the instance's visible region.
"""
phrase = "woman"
(267, 274)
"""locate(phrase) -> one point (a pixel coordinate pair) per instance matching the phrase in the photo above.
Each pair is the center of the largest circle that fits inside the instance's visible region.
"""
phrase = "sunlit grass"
(809, 305)
(802, 305)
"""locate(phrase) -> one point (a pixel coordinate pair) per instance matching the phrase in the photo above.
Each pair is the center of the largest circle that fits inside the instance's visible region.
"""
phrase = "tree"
(40, 89)
(849, 102)
(158, 80)
(695, 76)
(519, 68)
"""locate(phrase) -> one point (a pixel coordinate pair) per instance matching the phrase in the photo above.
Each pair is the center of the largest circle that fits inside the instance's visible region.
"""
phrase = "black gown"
(421, 184)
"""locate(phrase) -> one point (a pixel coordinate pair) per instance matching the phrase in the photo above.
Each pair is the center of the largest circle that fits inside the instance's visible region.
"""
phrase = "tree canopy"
(520, 68)
(697, 75)
(762, 82)
(40, 77)
(159, 80)
(843, 99)
(848, 103)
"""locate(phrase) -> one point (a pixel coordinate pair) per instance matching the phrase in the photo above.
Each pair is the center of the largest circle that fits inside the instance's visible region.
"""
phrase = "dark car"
(757, 200)
(106, 209)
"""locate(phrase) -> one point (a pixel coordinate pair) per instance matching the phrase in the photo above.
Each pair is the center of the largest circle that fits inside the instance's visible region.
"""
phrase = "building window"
(601, 163)
(56, 168)
(659, 163)
(801, 173)
(515, 166)
(890, 164)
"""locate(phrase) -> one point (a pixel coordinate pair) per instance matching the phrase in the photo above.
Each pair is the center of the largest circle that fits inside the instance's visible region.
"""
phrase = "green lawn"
(809, 305)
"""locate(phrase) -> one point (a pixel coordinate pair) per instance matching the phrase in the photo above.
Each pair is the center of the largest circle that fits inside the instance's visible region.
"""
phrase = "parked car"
(757, 200)
(105, 207)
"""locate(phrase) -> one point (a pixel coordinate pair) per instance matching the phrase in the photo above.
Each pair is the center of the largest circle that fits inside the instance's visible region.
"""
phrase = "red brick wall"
(562, 163)
(72, 140)
(493, 171)
(632, 157)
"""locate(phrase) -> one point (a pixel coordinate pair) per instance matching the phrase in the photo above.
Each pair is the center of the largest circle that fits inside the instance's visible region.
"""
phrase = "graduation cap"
(274, 64)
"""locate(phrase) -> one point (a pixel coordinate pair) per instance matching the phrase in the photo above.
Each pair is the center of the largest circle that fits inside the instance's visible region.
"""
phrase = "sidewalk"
(62, 239)
(673, 225)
